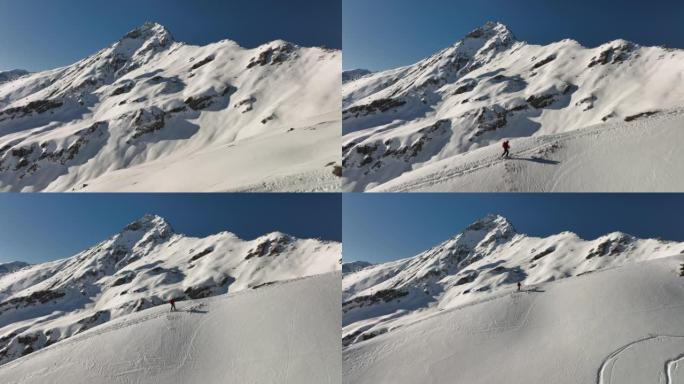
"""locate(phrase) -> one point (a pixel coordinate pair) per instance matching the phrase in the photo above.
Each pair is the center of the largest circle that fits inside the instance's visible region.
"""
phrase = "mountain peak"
(490, 222)
(491, 29)
(150, 30)
(147, 223)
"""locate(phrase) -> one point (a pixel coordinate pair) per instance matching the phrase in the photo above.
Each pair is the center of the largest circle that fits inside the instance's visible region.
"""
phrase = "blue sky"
(41, 227)
(42, 34)
(381, 34)
(383, 227)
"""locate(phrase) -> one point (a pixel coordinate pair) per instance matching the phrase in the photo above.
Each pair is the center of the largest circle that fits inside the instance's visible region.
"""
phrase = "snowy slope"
(638, 156)
(286, 333)
(143, 266)
(487, 259)
(490, 86)
(621, 325)
(149, 113)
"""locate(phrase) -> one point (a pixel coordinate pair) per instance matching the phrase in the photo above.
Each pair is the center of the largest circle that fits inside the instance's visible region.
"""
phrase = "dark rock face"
(542, 101)
(148, 121)
(543, 253)
(613, 55)
(269, 247)
(124, 88)
(385, 295)
(545, 61)
(640, 115)
(201, 63)
(37, 297)
(379, 154)
(490, 119)
(39, 106)
(467, 86)
(201, 254)
(380, 105)
(611, 247)
(273, 55)
(208, 290)
(95, 319)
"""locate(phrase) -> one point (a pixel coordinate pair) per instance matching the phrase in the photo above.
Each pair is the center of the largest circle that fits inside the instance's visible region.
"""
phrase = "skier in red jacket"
(506, 146)
(173, 304)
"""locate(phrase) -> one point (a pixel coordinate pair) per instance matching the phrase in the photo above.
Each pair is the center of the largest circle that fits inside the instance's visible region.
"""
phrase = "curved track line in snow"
(605, 372)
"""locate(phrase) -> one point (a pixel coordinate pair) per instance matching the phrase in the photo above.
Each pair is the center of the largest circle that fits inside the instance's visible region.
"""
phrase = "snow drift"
(410, 127)
(152, 114)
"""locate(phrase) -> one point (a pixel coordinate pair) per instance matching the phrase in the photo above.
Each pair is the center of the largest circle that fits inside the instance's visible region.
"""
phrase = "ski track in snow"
(529, 147)
(606, 372)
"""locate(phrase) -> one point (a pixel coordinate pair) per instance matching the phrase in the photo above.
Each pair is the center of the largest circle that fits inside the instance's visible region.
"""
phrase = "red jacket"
(506, 145)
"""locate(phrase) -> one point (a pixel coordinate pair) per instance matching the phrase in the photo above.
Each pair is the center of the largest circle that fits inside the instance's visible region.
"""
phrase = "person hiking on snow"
(506, 146)
(519, 286)
(173, 304)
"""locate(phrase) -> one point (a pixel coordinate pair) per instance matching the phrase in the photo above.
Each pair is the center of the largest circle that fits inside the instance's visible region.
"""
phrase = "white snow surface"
(438, 124)
(285, 333)
(152, 114)
(484, 261)
(618, 325)
(144, 266)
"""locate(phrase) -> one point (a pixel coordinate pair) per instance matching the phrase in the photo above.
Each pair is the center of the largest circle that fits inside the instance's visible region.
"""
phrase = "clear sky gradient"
(40, 227)
(383, 227)
(42, 34)
(382, 34)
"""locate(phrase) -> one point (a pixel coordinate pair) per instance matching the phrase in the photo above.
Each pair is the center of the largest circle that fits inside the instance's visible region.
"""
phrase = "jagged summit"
(491, 29)
(147, 222)
(489, 222)
(148, 31)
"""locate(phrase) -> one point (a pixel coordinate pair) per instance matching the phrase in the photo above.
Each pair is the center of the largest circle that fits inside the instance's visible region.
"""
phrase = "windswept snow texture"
(144, 266)
(573, 113)
(480, 264)
(152, 114)
(285, 333)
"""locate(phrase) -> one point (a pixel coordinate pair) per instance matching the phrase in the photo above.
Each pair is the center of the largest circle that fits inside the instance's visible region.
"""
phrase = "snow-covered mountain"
(288, 332)
(486, 260)
(619, 325)
(14, 74)
(143, 266)
(354, 74)
(424, 122)
(12, 266)
(151, 114)
(354, 266)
